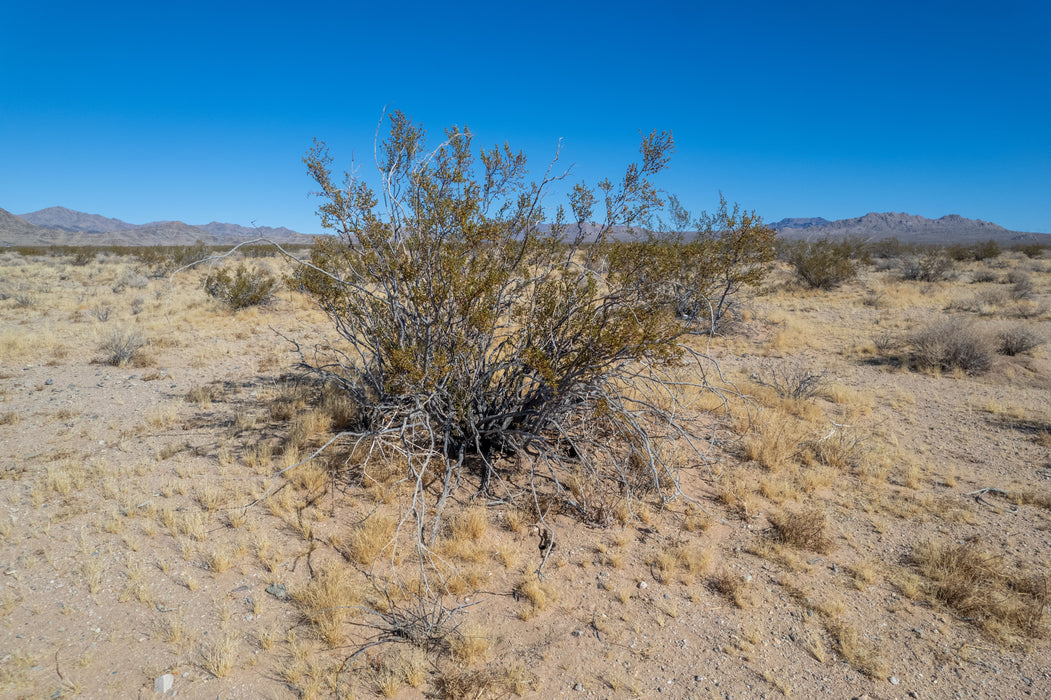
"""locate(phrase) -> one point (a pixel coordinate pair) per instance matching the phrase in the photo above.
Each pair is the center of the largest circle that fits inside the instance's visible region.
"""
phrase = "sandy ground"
(128, 553)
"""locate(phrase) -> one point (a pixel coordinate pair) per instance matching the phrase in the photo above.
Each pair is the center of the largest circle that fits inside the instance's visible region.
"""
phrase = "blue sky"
(203, 111)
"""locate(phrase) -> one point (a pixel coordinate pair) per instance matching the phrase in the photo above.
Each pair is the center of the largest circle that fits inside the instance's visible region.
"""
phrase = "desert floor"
(836, 547)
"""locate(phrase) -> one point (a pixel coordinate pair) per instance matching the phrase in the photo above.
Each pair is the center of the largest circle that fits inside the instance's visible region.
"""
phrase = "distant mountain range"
(61, 226)
(906, 227)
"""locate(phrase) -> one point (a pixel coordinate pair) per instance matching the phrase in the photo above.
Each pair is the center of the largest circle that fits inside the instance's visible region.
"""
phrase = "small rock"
(162, 684)
(913, 694)
(643, 585)
(894, 680)
(49, 382)
(578, 687)
(278, 590)
(578, 633)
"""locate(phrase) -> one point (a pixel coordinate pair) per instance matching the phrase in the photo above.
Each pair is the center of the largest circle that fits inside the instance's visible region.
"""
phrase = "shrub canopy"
(545, 357)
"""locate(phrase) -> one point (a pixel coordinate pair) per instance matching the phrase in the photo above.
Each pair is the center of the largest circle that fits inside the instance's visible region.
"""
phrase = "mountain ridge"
(951, 228)
(62, 226)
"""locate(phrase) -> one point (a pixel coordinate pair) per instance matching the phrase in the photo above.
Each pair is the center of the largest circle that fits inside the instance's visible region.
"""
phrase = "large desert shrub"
(540, 363)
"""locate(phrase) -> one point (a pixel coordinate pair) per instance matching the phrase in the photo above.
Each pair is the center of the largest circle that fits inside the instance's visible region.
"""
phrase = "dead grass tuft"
(802, 530)
(368, 538)
(327, 601)
(1004, 601)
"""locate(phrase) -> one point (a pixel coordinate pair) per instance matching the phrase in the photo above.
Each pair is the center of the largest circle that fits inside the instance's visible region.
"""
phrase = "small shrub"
(1021, 284)
(824, 264)
(1015, 340)
(25, 300)
(121, 346)
(792, 379)
(101, 312)
(242, 288)
(1030, 250)
(82, 257)
(932, 267)
(804, 530)
(130, 279)
(984, 251)
(885, 342)
(984, 275)
(951, 344)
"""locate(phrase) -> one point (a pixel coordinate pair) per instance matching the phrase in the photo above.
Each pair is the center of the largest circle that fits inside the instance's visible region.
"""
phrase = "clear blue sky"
(202, 111)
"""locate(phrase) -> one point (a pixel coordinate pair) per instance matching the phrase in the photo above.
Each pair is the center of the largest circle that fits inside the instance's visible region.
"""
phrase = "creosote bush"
(731, 250)
(242, 288)
(541, 363)
(826, 263)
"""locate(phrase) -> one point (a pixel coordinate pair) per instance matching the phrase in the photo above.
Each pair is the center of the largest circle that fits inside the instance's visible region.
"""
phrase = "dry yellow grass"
(328, 601)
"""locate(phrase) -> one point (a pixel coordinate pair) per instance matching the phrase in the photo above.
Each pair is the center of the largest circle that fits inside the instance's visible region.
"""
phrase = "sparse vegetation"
(154, 495)
(121, 347)
(950, 344)
(241, 288)
(826, 263)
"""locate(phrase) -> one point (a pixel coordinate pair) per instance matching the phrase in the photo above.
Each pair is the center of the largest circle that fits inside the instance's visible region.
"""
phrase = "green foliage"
(474, 338)
(975, 251)
(732, 250)
(241, 289)
(826, 263)
(163, 260)
(1030, 250)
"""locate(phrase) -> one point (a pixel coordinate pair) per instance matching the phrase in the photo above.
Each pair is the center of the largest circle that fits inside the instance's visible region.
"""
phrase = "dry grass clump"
(470, 644)
(490, 681)
(983, 589)
(691, 560)
(217, 658)
(775, 441)
(469, 524)
(539, 593)
(951, 344)
(732, 586)
(369, 538)
(856, 650)
(327, 601)
(804, 530)
(842, 448)
(121, 347)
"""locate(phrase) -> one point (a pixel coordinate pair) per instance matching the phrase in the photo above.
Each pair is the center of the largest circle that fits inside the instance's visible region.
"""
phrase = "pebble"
(162, 684)
(578, 687)
(642, 585)
(278, 590)
(894, 680)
